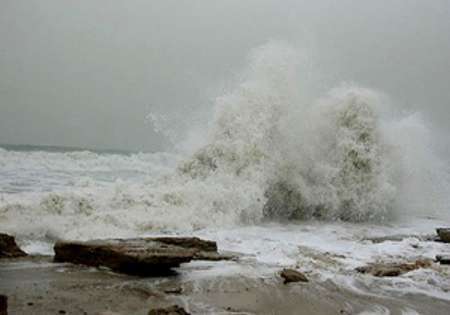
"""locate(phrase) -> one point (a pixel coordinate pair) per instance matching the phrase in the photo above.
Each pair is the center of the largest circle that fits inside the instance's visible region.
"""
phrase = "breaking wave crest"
(346, 155)
(273, 152)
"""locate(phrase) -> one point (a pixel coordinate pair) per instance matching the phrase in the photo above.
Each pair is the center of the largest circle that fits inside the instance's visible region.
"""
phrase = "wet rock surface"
(172, 310)
(393, 269)
(291, 275)
(188, 242)
(141, 256)
(399, 238)
(79, 290)
(444, 234)
(443, 259)
(3, 305)
(9, 248)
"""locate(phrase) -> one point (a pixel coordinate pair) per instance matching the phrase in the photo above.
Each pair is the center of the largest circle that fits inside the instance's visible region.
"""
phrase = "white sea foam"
(274, 151)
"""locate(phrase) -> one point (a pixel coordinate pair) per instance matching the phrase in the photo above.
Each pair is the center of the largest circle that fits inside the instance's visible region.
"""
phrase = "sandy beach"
(36, 285)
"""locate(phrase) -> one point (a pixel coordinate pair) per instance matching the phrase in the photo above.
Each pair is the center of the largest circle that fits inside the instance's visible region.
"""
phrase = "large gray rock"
(444, 234)
(141, 256)
(9, 248)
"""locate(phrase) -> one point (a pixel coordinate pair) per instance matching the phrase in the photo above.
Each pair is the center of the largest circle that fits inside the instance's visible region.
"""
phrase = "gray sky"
(86, 73)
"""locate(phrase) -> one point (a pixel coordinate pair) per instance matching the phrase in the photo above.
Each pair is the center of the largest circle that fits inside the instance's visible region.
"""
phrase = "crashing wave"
(326, 159)
(273, 151)
(342, 173)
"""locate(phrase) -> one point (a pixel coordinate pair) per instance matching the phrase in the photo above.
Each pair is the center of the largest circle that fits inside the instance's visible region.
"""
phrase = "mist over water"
(347, 155)
(271, 152)
(86, 75)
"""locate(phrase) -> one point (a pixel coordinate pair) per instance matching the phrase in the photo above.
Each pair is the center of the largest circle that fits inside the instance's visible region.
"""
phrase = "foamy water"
(272, 152)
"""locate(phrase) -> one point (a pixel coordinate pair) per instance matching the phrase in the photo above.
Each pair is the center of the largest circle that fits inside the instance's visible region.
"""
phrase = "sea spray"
(273, 151)
(261, 132)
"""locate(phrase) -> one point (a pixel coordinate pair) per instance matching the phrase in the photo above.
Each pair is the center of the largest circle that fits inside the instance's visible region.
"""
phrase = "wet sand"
(38, 286)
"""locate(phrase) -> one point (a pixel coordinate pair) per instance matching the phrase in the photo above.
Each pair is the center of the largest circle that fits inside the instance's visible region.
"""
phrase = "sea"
(282, 178)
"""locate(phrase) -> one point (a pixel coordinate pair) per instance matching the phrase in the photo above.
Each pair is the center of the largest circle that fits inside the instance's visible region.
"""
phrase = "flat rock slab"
(9, 248)
(444, 234)
(140, 256)
(291, 275)
(188, 242)
(392, 269)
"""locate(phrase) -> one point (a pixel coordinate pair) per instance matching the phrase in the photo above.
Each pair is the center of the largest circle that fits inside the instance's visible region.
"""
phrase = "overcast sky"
(86, 73)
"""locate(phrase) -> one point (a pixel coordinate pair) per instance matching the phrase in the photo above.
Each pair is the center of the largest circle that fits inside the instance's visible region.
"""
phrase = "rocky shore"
(157, 276)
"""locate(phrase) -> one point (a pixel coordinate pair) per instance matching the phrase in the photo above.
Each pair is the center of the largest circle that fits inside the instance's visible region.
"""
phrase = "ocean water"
(286, 177)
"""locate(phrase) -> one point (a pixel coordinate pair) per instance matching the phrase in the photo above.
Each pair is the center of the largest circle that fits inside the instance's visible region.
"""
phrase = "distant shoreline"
(63, 149)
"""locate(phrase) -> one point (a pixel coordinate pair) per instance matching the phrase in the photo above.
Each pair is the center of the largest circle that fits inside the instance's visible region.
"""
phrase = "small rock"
(172, 310)
(62, 312)
(9, 248)
(291, 275)
(443, 259)
(393, 270)
(444, 234)
(3, 305)
(381, 271)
